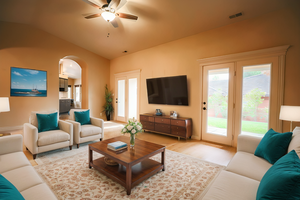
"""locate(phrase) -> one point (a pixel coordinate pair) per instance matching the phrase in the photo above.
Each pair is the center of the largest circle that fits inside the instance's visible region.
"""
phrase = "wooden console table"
(179, 127)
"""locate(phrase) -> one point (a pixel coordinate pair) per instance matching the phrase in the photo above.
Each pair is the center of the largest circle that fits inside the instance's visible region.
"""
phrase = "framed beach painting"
(28, 82)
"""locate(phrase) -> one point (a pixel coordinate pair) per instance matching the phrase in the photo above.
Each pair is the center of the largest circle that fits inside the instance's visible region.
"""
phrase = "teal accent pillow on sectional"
(47, 122)
(273, 145)
(282, 180)
(83, 117)
(8, 191)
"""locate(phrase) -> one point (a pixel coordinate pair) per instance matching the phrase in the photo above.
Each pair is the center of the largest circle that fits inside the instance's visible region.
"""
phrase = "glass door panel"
(132, 98)
(121, 100)
(217, 105)
(256, 99)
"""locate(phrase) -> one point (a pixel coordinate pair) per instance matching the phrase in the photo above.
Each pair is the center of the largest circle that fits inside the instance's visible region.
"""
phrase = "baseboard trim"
(10, 128)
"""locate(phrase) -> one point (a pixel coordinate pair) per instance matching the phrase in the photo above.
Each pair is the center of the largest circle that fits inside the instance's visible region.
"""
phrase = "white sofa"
(241, 178)
(87, 132)
(16, 168)
(37, 142)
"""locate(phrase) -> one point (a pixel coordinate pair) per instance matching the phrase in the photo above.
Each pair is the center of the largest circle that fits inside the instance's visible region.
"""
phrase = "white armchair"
(37, 142)
(87, 132)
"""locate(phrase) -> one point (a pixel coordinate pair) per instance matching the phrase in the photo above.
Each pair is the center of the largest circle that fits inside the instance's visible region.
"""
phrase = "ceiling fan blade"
(92, 4)
(114, 23)
(93, 16)
(127, 16)
(112, 2)
(121, 4)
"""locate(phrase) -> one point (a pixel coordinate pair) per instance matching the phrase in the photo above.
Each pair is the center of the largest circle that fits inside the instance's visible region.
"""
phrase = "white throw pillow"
(295, 142)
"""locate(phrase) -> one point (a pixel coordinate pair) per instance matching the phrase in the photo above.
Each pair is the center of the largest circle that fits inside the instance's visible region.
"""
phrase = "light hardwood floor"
(207, 151)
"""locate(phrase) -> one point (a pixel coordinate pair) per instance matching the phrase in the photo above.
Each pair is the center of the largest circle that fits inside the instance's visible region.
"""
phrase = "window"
(70, 92)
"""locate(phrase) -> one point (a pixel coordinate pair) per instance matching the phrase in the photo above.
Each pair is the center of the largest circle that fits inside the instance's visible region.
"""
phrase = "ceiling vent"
(235, 15)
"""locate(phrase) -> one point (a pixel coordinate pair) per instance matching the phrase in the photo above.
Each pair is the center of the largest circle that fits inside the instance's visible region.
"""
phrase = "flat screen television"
(168, 90)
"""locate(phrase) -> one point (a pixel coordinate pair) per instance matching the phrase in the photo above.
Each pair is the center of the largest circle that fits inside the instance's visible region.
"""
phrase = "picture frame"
(28, 82)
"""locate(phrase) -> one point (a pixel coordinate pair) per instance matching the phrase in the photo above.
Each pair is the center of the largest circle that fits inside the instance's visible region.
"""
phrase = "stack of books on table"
(116, 146)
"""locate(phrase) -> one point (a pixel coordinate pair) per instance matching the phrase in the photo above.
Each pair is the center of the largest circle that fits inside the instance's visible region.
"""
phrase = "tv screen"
(168, 90)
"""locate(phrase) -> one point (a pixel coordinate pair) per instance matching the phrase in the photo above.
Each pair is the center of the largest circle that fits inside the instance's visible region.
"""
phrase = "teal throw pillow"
(47, 122)
(273, 145)
(83, 117)
(8, 191)
(282, 180)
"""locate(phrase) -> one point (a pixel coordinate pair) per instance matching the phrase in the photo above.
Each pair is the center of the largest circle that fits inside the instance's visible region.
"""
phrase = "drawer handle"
(177, 122)
(177, 127)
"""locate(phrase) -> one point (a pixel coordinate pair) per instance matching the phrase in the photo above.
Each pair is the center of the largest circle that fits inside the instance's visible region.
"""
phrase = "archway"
(84, 77)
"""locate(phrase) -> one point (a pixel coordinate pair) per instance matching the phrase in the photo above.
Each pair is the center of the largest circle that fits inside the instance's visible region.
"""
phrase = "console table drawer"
(162, 120)
(146, 118)
(163, 128)
(178, 122)
(178, 132)
(178, 128)
(148, 125)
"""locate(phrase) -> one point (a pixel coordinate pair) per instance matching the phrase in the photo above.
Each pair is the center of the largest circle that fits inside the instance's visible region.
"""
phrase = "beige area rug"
(69, 177)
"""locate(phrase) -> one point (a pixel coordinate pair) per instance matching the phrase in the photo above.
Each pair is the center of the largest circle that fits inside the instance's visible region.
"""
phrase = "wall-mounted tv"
(168, 90)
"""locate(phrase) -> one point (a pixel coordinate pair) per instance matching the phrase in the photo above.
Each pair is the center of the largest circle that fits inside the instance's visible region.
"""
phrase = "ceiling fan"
(109, 11)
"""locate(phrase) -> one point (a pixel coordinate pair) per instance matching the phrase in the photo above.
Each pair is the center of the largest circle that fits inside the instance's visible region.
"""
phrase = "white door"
(217, 103)
(127, 95)
(257, 96)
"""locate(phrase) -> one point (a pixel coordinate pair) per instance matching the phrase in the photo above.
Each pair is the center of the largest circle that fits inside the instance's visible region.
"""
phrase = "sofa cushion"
(88, 130)
(273, 145)
(249, 165)
(8, 191)
(33, 118)
(231, 186)
(282, 180)
(40, 191)
(12, 161)
(23, 178)
(83, 117)
(295, 142)
(52, 137)
(47, 122)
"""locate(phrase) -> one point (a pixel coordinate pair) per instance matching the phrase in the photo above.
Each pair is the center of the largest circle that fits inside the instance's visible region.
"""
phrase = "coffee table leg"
(90, 158)
(128, 179)
(163, 158)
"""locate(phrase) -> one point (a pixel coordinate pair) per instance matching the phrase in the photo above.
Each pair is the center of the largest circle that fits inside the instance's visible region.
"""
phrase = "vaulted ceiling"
(159, 21)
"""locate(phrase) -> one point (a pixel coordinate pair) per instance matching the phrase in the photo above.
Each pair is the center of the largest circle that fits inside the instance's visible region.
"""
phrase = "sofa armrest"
(31, 137)
(98, 122)
(76, 130)
(66, 127)
(248, 143)
(11, 144)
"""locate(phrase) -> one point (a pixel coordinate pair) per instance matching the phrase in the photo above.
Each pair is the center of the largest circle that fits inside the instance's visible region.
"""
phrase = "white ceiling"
(159, 21)
(70, 68)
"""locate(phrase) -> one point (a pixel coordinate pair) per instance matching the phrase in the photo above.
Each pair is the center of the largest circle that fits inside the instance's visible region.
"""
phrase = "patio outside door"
(127, 95)
(217, 103)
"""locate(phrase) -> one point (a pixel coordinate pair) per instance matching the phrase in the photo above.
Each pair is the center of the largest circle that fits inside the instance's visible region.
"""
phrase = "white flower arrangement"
(133, 127)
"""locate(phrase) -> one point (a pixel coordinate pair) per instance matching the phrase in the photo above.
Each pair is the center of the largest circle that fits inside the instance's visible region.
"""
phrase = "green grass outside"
(247, 126)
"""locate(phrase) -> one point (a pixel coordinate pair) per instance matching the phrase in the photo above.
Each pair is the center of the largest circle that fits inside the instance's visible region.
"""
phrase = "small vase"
(132, 140)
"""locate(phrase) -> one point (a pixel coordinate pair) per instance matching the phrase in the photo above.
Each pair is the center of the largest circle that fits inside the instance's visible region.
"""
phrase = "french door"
(240, 98)
(127, 95)
(217, 103)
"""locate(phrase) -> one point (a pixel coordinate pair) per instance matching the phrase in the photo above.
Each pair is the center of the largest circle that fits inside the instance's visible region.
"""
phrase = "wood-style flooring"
(207, 151)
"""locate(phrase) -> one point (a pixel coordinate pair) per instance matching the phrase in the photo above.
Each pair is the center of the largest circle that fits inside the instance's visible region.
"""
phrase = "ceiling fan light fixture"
(108, 16)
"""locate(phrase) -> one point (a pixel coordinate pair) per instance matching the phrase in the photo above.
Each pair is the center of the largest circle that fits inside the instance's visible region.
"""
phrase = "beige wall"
(27, 47)
(180, 58)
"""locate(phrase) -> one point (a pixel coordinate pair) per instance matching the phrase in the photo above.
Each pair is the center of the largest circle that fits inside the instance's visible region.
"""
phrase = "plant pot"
(108, 116)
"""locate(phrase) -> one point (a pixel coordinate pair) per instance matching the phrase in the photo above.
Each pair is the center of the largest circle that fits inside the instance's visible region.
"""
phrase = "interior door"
(217, 103)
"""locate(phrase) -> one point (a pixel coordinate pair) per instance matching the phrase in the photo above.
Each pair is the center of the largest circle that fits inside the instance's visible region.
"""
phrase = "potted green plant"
(108, 108)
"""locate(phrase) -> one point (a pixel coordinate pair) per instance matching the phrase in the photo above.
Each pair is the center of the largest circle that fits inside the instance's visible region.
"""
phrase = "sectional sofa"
(241, 178)
(16, 168)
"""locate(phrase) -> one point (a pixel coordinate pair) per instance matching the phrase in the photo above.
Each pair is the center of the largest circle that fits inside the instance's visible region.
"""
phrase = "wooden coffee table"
(134, 164)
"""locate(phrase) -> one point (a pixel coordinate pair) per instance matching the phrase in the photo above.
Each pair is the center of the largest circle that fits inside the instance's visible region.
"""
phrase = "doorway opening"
(70, 86)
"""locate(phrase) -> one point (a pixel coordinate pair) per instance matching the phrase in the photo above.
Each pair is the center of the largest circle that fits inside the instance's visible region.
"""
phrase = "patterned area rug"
(70, 178)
